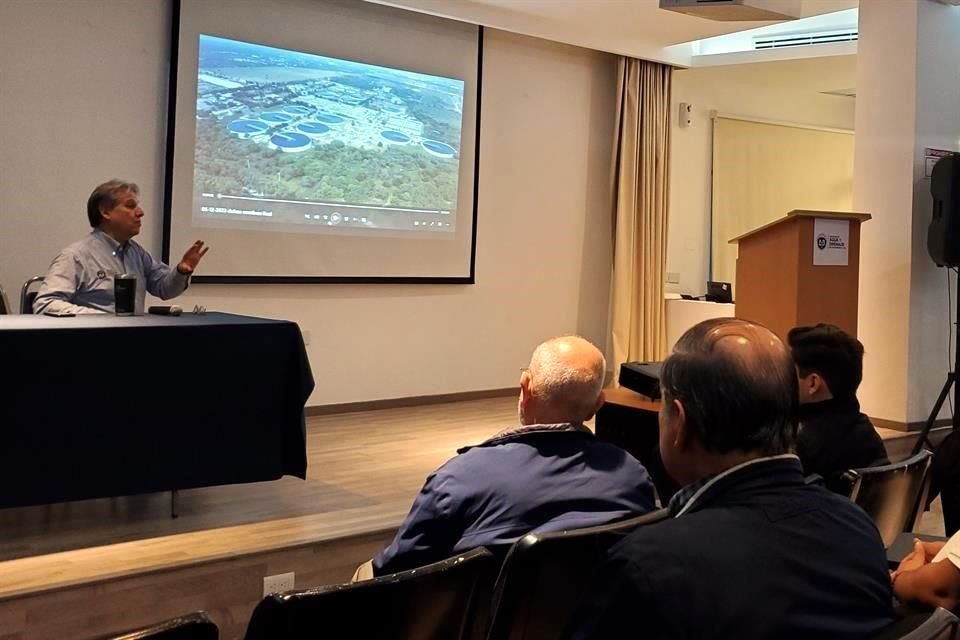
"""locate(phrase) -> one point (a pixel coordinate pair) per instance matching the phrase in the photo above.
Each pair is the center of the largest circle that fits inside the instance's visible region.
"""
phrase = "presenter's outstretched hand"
(192, 257)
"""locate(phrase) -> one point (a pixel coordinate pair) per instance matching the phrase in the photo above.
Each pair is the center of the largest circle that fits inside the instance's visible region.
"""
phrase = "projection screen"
(330, 141)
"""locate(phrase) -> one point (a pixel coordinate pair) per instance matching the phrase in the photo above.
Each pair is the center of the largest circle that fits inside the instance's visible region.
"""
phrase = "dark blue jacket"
(758, 554)
(540, 478)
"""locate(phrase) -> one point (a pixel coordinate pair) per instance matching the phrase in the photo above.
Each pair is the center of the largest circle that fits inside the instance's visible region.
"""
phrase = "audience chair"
(4, 303)
(937, 625)
(447, 600)
(892, 494)
(544, 576)
(195, 626)
(28, 293)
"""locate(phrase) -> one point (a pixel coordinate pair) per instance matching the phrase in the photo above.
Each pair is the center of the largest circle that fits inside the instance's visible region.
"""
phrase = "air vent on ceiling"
(781, 40)
(739, 10)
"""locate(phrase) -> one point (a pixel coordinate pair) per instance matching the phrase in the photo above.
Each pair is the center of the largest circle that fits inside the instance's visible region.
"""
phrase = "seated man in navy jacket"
(548, 474)
(751, 550)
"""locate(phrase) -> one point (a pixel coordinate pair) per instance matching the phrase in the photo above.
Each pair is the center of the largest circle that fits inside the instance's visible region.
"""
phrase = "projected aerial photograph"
(297, 138)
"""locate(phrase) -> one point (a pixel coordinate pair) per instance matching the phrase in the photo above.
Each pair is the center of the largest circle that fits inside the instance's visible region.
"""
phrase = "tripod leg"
(924, 435)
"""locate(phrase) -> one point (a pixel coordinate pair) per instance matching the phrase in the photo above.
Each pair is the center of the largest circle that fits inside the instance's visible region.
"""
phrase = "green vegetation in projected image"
(272, 123)
(393, 176)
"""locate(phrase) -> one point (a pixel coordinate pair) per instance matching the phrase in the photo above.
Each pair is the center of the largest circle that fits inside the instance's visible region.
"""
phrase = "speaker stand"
(950, 382)
(932, 418)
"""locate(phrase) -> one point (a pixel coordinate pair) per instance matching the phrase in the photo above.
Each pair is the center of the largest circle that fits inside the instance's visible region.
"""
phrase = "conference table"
(630, 420)
(101, 406)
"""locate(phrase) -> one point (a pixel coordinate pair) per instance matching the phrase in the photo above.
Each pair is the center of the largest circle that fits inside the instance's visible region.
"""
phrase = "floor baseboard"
(412, 401)
(907, 427)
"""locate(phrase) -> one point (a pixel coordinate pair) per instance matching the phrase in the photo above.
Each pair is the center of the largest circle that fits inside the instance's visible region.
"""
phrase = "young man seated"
(834, 435)
(548, 474)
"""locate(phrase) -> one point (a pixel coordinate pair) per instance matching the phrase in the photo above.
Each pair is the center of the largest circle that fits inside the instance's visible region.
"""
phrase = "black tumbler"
(125, 294)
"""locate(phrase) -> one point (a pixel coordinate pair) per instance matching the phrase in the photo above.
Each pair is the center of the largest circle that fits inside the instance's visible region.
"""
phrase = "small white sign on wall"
(831, 242)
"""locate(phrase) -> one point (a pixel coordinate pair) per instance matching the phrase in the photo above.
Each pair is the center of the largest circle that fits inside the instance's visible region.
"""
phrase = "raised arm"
(162, 281)
(166, 283)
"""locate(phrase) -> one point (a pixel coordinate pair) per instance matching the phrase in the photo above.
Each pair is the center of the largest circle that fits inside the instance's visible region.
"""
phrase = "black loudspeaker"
(943, 234)
(642, 377)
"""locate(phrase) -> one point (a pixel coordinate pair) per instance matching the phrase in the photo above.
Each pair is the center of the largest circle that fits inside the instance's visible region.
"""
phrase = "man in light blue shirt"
(80, 279)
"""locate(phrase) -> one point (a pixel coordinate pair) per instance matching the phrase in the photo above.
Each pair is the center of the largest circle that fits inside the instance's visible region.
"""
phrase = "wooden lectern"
(788, 275)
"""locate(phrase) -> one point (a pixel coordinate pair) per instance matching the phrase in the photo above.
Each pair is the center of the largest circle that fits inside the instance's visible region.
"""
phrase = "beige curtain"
(640, 187)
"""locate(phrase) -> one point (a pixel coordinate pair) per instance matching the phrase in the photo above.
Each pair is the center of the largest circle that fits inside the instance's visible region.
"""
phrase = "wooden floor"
(364, 470)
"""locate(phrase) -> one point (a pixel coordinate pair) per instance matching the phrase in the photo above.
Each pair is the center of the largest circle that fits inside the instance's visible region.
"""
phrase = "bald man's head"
(737, 385)
(563, 382)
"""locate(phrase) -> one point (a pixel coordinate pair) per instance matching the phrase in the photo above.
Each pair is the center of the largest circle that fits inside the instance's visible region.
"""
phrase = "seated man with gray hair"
(548, 474)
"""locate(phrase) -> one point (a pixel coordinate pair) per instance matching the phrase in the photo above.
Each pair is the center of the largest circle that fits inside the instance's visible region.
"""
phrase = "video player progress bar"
(330, 204)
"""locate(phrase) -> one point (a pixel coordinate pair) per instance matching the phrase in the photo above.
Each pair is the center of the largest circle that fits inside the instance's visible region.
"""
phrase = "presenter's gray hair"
(105, 197)
(567, 374)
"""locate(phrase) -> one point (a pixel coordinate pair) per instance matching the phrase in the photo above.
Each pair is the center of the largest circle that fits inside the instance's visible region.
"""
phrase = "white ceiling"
(637, 28)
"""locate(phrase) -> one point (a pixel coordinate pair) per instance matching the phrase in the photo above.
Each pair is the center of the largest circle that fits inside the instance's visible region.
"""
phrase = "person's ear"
(817, 383)
(809, 385)
(600, 400)
(525, 381)
(681, 430)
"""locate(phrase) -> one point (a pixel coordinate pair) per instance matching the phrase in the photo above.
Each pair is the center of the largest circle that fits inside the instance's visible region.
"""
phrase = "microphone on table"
(165, 310)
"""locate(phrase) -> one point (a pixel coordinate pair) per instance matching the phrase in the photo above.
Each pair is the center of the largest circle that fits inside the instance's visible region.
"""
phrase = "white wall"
(937, 126)
(786, 91)
(883, 164)
(908, 101)
(82, 92)
(83, 98)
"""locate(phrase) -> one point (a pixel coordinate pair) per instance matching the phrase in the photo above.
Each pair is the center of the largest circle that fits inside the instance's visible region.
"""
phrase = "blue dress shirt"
(80, 279)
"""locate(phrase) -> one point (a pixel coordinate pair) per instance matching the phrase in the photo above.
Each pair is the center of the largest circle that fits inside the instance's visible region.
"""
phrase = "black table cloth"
(97, 406)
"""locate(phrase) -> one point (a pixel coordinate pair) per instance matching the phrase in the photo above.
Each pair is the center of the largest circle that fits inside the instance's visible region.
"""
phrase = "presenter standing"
(80, 280)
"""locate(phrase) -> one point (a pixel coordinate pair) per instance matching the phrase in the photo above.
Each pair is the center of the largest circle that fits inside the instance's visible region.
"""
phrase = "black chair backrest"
(544, 576)
(446, 600)
(892, 493)
(28, 293)
(194, 626)
(938, 625)
(4, 304)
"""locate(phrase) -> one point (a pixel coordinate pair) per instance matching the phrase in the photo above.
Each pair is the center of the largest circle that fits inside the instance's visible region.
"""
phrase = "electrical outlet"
(673, 277)
(277, 583)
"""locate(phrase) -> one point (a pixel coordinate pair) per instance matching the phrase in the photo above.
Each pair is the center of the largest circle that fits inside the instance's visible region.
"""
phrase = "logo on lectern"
(821, 242)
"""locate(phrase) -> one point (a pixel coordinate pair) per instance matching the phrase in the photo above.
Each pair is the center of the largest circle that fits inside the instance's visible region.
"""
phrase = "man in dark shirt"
(752, 551)
(834, 435)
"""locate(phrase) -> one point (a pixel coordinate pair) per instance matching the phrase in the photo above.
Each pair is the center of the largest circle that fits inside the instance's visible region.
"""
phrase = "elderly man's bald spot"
(573, 351)
(748, 345)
